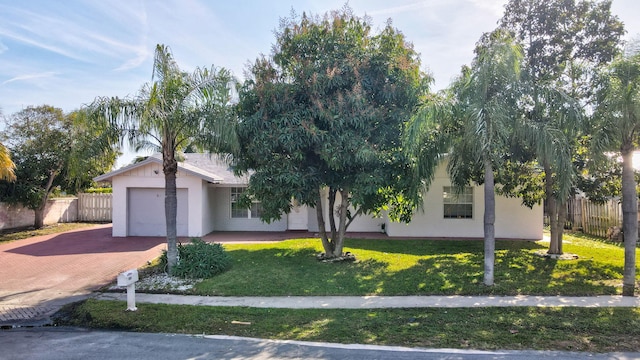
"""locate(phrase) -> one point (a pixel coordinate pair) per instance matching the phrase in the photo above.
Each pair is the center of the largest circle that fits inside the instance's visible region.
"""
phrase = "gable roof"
(208, 167)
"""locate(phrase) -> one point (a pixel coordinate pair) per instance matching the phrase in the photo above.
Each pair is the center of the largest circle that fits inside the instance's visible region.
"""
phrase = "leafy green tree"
(44, 143)
(474, 125)
(619, 130)
(174, 110)
(323, 116)
(564, 42)
(92, 153)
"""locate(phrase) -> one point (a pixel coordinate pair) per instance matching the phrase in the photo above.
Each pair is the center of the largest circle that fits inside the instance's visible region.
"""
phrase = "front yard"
(418, 267)
(405, 267)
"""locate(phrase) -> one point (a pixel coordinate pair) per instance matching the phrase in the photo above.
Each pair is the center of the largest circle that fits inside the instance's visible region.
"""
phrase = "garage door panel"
(145, 215)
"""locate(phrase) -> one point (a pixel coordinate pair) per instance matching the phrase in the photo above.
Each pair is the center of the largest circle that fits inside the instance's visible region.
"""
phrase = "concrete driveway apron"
(40, 274)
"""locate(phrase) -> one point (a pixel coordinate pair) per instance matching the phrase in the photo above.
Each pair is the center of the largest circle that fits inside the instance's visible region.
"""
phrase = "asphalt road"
(74, 343)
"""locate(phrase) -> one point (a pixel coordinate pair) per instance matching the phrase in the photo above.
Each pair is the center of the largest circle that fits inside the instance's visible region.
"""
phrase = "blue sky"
(66, 53)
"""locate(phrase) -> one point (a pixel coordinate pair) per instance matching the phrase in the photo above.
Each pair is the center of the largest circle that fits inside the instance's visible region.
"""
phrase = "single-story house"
(208, 189)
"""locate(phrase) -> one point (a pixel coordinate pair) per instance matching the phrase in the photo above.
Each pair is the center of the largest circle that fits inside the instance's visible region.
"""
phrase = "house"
(207, 192)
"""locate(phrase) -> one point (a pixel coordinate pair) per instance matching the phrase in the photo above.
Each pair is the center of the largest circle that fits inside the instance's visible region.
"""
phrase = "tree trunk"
(339, 240)
(562, 219)
(326, 244)
(38, 221)
(552, 209)
(332, 218)
(170, 168)
(489, 220)
(629, 222)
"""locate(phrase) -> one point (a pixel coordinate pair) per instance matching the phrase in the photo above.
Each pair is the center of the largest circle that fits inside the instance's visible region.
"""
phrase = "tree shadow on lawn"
(439, 270)
(434, 246)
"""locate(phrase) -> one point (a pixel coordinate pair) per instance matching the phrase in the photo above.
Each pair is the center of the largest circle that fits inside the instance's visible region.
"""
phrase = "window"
(239, 212)
(458, 206)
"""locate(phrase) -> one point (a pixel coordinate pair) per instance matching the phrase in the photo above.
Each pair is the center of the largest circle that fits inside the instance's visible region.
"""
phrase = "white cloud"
(30, 77)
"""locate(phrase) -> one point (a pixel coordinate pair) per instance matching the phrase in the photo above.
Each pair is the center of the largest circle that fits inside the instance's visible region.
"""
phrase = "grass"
(24, 233)
(574, 329)
(418, 267)
(405, 267)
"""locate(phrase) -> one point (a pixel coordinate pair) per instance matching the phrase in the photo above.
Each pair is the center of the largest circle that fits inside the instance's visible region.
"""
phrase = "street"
(65, 343)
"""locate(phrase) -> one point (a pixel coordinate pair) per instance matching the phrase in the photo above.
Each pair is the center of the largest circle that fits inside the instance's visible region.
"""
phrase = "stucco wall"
(224, 222)
(512, 219)
(58, 210)
(151, 176)
(208, 208)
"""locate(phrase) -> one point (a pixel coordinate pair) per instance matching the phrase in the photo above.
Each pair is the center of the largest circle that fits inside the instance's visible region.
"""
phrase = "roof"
(208, 167)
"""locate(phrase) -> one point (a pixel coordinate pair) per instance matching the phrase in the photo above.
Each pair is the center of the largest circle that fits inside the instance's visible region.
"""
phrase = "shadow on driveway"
(42, 273)
(91, 241)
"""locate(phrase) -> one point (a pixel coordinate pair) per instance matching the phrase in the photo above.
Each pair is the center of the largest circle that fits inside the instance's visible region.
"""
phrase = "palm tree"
(474, 122)
(619, 130)
(549, 124)
(176, 109)
(7, 167)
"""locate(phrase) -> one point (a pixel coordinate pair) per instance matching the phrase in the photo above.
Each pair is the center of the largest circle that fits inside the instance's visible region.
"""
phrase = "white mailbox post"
(128, 279)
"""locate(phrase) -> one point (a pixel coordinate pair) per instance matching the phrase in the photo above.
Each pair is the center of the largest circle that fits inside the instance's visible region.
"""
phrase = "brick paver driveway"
(39, 274)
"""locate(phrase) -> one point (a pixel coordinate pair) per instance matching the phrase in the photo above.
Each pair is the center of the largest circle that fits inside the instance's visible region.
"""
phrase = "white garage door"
(145, 212)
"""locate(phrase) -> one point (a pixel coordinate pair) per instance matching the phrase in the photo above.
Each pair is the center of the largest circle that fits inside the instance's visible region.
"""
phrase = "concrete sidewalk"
(375, 302)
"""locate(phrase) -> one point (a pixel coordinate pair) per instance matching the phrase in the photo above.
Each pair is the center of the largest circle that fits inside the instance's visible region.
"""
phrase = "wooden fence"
(94, 207)
(592, 218)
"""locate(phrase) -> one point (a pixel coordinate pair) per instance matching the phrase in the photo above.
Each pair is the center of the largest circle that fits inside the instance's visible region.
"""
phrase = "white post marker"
(128, 279)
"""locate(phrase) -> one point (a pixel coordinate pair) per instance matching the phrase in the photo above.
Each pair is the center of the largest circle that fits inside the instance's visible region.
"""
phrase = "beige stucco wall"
(513, 220)
(224, 222)
(58, 210)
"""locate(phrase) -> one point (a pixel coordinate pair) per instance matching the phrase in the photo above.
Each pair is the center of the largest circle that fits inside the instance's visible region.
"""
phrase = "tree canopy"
(325, 112)
(46, 146)
(564, 42)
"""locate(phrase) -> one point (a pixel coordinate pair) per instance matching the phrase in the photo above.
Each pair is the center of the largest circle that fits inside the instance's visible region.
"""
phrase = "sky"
(67, 53)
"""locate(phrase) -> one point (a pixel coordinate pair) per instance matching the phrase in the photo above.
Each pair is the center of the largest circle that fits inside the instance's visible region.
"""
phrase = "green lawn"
(574, 329)
(418, 267)
(401, 267)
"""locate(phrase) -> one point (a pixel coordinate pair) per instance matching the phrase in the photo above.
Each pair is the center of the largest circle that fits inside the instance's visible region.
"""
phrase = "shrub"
(200, 260)
(99, 190)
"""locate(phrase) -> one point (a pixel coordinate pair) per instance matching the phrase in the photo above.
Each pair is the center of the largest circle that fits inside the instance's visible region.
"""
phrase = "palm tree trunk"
(489, 221)
(629, 222)
(170, 168)
(552, 209)
(562, 220)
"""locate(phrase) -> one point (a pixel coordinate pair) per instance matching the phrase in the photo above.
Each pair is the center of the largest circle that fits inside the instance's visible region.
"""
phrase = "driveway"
(39, 274)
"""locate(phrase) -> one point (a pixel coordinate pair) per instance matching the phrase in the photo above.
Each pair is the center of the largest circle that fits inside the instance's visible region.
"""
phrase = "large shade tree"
(564, 41)
(47, 146)
(174, 110)
(618, 129)
(473, 124)
(322, 117)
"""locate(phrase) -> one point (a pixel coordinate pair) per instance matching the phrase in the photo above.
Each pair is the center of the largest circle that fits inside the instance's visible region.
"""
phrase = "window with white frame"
(240, 212)
(458, 206)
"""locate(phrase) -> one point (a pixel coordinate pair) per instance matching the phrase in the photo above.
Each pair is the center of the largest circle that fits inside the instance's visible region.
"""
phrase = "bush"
(200, 260)
(99, 190)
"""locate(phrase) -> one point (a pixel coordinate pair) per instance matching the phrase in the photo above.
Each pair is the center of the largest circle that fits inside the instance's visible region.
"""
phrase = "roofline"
(189, 169)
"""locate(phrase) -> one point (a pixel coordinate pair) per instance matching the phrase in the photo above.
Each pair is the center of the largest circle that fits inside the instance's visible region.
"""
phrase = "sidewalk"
(374, 302)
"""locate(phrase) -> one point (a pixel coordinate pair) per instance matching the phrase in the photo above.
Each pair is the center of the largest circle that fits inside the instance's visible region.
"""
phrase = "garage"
(145, 212)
